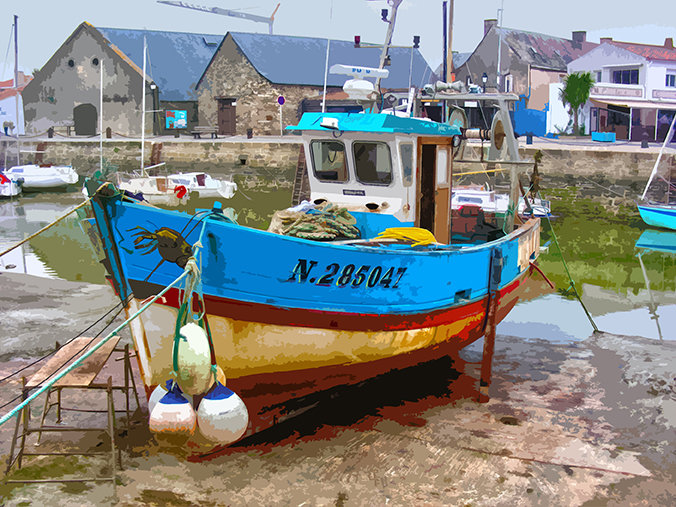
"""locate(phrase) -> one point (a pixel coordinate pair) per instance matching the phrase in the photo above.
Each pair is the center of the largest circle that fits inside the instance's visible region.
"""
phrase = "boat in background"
(492, 202)
(152, 188)
(661, 211)
(36, 177)
(8, 187)
(203, 185)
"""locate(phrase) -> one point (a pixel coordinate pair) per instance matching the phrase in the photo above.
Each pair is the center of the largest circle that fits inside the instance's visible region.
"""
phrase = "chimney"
(605, 39)
(669, 43)
(580, 36)
(488, 24)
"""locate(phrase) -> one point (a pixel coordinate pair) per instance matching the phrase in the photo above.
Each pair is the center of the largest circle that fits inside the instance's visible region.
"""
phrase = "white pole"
(281, 131)
(666, 140)
(101, 117)
(502, 5)
(326, 74)
(143, 106)
(16, 86)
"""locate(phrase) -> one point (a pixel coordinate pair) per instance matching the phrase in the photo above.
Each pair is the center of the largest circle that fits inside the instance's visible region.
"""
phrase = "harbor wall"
(278, 158)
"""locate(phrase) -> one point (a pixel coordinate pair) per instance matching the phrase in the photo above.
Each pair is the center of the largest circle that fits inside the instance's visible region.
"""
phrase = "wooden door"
(434, 186)
(227, 118)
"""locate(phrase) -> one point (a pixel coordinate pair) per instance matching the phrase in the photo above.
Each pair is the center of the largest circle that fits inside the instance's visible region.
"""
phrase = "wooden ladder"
(301, 183)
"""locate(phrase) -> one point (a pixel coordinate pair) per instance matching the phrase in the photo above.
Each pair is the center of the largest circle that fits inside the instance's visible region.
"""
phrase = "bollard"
(50, 132)
(109, 133)
(249, 133)
(177, 134)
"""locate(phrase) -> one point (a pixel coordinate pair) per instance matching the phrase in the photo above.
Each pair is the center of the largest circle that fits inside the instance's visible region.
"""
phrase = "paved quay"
(583, 423)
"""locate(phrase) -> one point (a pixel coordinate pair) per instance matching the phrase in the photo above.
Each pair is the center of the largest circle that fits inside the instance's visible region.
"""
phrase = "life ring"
(180, 191)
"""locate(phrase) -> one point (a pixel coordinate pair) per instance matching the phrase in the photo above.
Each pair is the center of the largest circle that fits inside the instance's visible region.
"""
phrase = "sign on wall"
(176, 119)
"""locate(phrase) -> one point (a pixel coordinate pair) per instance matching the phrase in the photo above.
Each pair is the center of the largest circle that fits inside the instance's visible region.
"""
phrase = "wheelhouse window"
(406, 153)
(626, 76)
(373, 163)
(328, 160)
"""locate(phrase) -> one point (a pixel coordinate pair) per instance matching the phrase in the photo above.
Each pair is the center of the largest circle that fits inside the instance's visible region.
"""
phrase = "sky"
(45, 24)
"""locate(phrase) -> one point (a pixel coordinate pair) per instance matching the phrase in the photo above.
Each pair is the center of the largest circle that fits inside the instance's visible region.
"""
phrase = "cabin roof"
(375, 123)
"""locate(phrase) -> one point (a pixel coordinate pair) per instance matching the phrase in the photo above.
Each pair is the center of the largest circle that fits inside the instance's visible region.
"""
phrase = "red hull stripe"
(268, 314)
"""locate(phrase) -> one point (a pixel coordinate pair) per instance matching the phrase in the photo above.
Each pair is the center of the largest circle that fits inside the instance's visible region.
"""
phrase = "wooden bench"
(82, 377)
(199, 130)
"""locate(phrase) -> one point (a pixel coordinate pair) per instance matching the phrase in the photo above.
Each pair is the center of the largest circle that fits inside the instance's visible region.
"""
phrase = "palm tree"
(575, 92)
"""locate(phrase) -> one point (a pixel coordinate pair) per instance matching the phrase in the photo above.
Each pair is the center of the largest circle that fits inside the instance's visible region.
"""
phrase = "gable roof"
(543, 51)
(647, 51)
(292, 60)
(176, 60)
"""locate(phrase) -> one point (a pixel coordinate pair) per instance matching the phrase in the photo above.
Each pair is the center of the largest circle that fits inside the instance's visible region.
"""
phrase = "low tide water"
(627, 289)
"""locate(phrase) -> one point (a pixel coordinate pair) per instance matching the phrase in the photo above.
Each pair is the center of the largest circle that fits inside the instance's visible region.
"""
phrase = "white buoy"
(159, 392)
(173, 414)
(222, 416)
(194, 360)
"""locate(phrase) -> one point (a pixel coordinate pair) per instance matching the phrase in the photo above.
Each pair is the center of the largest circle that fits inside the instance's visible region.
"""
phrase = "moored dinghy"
(42, 177)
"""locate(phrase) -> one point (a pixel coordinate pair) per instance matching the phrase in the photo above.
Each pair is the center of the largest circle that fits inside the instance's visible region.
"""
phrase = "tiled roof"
(648, 51)
(284, 59)
(176, 60)
(544, 51)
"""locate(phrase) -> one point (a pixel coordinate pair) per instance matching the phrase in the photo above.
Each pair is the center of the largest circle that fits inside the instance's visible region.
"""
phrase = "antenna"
(225, 12)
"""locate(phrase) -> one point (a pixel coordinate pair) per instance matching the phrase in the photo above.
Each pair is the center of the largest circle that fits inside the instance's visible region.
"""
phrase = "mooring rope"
(49, 226)
(16, 410)
(36, 361)
(570, 278)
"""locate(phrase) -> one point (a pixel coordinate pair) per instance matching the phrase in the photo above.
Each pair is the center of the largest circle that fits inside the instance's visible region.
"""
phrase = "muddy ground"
(585, 423)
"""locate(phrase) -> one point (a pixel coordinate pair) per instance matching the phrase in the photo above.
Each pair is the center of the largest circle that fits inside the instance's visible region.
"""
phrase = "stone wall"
(274, 160)
(231, 75)
(278, 159)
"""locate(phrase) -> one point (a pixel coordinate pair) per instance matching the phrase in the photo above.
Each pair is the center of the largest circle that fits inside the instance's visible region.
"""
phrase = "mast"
(666, 140)
(502, 5)
(449, 54)
(101, 116)
(16, 86)
(388, 37)
(143, 105)
(444, 49)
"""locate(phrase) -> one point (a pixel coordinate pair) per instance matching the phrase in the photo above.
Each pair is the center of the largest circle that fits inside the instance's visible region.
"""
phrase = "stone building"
(240, 87)
(65, 93)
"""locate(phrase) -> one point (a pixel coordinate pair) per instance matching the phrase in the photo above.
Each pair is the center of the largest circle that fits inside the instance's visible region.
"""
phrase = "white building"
(635, 91)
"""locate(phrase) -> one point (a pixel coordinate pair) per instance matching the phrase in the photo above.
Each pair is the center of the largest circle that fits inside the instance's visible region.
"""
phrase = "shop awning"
(637, 104)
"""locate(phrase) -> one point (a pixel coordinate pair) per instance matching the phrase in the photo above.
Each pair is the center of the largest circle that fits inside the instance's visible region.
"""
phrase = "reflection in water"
(626, 278)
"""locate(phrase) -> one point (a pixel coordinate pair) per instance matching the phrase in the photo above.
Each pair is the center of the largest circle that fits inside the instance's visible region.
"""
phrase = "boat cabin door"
(434, 187)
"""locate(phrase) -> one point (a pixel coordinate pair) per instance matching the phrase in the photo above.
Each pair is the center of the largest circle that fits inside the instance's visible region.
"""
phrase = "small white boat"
(154, 189)
(496, 203)
(8, 187)
(204, 185)
(39, 177)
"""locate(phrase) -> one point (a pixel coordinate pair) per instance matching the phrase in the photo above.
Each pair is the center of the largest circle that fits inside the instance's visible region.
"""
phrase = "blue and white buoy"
(173, 414)
(222, 416)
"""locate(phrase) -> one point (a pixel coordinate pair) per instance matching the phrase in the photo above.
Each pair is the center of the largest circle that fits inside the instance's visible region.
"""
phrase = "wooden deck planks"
(83, 375)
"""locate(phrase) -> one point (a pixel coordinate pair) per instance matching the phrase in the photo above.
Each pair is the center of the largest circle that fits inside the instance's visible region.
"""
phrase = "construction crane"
(224, 12)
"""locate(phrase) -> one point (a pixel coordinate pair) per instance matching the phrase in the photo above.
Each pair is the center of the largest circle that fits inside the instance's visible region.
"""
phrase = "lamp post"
(484, 78)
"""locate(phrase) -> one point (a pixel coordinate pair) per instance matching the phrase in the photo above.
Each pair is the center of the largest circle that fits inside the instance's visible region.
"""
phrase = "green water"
(596, 234)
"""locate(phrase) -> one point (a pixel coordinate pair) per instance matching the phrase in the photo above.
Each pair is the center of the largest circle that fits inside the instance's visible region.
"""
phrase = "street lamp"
(484, 78)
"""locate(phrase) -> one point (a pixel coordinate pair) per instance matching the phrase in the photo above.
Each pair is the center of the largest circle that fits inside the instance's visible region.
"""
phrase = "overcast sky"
(45, 24)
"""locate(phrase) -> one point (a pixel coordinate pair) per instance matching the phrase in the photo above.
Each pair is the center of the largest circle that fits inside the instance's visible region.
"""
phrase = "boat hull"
(658, 215)
(36, 177)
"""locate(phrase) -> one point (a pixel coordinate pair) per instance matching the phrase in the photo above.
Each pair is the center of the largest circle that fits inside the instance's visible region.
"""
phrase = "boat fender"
(222, 415)
(194, 375)
(173, 414)
(159, 392)
(180, 191)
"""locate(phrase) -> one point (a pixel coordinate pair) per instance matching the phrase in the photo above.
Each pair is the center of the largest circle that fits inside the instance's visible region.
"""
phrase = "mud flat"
(584, 423)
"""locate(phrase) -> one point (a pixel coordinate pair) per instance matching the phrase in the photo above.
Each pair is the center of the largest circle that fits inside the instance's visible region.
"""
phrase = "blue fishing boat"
(659, 215)
(377, 276)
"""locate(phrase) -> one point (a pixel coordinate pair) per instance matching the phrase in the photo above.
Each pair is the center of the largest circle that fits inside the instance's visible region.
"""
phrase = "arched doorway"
(84, 117)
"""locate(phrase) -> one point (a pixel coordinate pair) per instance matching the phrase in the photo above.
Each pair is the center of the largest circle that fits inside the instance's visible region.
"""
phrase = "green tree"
(575, 92)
